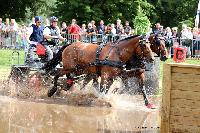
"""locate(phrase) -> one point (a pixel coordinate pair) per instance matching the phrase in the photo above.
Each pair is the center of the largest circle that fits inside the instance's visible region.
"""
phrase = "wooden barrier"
(180, 111)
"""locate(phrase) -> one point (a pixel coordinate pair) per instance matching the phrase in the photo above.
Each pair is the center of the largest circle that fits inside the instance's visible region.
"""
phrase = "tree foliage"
(172, 12)
(167, 12)
(141, 22)
(107, 10)
(19, 9)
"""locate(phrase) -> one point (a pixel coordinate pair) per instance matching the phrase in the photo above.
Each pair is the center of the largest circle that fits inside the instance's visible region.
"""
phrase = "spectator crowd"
(13, 35)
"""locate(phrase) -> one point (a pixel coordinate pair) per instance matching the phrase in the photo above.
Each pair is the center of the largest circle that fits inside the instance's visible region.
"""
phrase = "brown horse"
(106, 62)
(135, 67)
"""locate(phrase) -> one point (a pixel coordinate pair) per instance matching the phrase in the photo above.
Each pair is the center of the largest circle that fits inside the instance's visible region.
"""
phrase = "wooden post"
(165, 110)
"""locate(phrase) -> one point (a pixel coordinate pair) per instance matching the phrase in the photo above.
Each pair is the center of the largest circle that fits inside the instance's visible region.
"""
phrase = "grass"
(10, 57)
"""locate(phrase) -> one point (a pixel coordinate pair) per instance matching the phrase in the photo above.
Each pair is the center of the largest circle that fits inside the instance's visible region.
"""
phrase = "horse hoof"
(51, 92)
(150, 106)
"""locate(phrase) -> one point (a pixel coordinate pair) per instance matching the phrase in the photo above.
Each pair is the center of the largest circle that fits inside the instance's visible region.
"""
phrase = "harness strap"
(101, 46)
(107, 62)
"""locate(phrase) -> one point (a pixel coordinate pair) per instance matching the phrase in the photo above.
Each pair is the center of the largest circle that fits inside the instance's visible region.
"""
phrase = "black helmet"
(38, 18)
(53, 19)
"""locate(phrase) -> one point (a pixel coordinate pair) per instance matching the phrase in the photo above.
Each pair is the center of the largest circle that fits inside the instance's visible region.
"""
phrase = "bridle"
(142, 44)
(157, 41)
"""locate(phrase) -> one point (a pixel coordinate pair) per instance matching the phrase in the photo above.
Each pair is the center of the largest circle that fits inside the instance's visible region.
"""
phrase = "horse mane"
(126, 38)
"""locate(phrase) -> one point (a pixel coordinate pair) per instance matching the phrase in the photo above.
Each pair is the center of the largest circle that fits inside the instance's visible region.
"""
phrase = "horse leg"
(54, 88)
(142, 87)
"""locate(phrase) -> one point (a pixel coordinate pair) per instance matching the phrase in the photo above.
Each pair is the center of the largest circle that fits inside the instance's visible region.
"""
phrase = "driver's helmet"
(38, 18)
(53, 19)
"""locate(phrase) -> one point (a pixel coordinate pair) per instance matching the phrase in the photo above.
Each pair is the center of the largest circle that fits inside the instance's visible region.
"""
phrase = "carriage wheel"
(18, 74)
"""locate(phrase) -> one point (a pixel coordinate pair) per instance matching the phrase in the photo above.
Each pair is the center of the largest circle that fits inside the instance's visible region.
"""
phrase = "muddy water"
(51, 115)
(18, 116)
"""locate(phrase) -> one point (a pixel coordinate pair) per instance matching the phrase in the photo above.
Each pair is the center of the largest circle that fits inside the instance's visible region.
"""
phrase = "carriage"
(30, 74)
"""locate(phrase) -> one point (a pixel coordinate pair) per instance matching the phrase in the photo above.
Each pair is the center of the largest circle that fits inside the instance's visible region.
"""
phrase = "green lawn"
(10, 57)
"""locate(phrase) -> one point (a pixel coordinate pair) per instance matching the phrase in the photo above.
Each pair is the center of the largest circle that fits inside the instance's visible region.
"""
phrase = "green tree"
(107, 10)
(172, 12)
(22, 9)
(141, 22)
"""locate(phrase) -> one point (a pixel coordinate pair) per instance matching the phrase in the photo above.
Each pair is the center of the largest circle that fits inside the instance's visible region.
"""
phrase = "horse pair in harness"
(106, 61)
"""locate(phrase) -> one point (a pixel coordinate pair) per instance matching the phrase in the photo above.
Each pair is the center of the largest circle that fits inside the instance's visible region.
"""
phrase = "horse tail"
(55, 60)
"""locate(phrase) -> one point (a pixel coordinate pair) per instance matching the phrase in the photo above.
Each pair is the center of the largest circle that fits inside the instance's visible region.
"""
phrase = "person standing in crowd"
(93, 25)
(113, 33)
(52, 36)
(186, 38)
(158, 29)
(23, 31)
(63, 29)
(1, 24)
(196, 41)
(13, 32)
(1, 27)
(127, 29)
(6, 27)
(119, 27)
(101, 28)
(34, 36)
(83, 29)
(168, 40)
(83, 33)
(91, 34)
(174, 32)
(74, 29)
(6, 33)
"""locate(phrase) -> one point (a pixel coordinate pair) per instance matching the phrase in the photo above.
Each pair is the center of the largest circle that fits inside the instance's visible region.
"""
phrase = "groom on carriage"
(52, 36)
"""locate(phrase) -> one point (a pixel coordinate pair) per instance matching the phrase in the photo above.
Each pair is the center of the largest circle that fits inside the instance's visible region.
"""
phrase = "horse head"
(144, 51)
(158, 46)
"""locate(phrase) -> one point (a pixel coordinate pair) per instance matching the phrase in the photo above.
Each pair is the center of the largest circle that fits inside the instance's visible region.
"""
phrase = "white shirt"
(47, 31)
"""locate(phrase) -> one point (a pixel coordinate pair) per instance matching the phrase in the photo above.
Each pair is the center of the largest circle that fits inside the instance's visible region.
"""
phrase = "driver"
(52, 36)
(34, 36)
